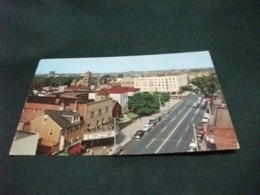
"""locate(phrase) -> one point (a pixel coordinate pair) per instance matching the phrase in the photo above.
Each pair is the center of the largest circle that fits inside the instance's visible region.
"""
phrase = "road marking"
(150, 143)
(179, 141)
(197, 111)
(187, 127)
(180, 111)
(172, 131)
(177, 106)
(192, 118)
(173, 118)
(163, 129)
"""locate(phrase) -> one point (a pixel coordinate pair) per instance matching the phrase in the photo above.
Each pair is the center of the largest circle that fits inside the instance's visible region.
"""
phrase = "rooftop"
(117, 90)
(58, 118)
(222, 118)
(22, 134)
(225, 139)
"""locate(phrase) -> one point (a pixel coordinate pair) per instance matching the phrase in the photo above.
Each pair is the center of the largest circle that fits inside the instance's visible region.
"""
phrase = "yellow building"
(161, 83)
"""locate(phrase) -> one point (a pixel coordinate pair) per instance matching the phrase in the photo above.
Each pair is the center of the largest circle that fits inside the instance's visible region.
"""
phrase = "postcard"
(125, 105)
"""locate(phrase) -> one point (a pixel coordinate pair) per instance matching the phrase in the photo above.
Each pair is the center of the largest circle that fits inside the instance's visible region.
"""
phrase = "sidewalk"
(127, 133)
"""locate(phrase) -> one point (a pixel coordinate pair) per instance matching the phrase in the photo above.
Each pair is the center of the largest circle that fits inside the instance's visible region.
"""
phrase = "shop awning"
(76, 149)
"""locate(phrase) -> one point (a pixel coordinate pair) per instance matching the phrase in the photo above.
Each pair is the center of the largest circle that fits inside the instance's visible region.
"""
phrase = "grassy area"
(132, 115)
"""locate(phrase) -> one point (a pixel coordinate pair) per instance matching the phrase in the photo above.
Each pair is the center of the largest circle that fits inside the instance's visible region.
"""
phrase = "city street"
(172, 134)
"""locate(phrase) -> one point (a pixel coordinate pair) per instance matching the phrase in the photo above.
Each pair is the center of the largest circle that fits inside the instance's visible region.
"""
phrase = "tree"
(105, 79)
(143, 104)
(185, 88)
(207, 84)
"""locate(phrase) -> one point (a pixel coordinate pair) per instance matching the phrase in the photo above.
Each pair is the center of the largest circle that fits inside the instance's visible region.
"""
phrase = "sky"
(189, 60)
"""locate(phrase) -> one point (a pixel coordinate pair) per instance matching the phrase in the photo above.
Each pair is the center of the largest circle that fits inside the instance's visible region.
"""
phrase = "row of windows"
(65, 132)
(154, 79)
(92, 114)
(128, 83)
(71, 141)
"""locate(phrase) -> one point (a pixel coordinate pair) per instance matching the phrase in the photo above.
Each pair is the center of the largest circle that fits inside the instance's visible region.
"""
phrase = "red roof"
(225, 139)
(117, 90)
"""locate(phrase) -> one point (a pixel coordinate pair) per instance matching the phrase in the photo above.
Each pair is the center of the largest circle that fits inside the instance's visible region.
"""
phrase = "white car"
(204, 119)
(192, 147)
(147, 127)
(206, 115)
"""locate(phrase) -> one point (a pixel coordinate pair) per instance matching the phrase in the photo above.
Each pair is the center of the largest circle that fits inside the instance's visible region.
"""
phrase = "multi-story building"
(161, 83)
(193, 75)
(96, 114)
(127, 82)
(24, 143)
(119, 94)
(58, 131)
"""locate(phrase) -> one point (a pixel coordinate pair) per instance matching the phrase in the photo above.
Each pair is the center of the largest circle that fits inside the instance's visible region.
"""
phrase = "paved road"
(173, 134)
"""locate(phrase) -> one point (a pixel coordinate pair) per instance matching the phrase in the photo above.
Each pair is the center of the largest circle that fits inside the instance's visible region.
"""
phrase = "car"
(199, 99)
(204, 120)
(206, 114)
(202, 106)
(204, 101)
(192, 147)
(115, 150)
(153, 122)
(195, 105)
(147, 127)
(139, 134)
(158, 118)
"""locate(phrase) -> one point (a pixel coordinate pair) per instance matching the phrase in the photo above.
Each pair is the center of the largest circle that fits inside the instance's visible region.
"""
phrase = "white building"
(24, 143)
(161, 83)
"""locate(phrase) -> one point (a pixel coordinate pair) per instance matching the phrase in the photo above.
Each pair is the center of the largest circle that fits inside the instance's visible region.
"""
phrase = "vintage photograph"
(126, 105)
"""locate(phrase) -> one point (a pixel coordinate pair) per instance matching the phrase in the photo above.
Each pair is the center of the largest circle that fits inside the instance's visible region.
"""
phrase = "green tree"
(185, 88)
(143, 104)
(208, 85)
(105, 79)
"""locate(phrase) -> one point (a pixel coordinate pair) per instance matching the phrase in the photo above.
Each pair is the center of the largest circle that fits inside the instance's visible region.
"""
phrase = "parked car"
(147, 127)
(158, 118)
(206, 114)
(115, 150)
(205, 119)
(139, 134)
(202, 106)
(200, 98)
(192, 147)
(153, 122)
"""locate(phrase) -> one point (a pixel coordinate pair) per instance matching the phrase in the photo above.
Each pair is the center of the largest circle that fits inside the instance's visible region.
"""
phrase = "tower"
(87, 78)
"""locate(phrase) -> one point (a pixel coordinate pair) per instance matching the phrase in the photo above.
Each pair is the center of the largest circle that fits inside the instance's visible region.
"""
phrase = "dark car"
(139, 134)
(203, 106)
(158, 118)
(153, 122)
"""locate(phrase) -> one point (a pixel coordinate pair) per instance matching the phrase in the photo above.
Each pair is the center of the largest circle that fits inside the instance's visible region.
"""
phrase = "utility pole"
(195, 136)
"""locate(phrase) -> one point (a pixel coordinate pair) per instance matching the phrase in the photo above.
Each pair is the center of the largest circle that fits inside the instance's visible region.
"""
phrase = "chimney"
(76, 105)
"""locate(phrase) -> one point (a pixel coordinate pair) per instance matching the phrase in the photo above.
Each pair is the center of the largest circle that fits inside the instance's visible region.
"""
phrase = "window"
(35, 130)
(51, 132)
(99, 112)
(92, 114)
(106, 109)
(63, 132)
